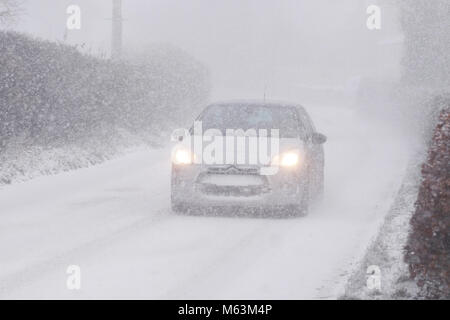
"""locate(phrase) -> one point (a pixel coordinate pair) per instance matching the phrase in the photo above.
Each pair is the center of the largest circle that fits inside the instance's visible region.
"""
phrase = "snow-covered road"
(114, 221)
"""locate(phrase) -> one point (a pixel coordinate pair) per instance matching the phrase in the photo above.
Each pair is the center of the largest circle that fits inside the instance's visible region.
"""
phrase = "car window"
(242, 116)
(306, 122)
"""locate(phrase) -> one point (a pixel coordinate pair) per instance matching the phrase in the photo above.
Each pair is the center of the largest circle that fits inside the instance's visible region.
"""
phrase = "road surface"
(114, 222)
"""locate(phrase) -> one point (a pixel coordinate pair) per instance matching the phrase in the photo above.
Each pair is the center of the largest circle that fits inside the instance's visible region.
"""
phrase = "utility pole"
(116, 37)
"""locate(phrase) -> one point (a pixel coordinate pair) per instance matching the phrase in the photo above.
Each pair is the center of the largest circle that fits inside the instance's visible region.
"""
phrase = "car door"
(315, 151)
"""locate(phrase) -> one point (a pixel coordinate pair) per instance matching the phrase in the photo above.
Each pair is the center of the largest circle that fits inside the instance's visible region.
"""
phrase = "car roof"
(258, 103)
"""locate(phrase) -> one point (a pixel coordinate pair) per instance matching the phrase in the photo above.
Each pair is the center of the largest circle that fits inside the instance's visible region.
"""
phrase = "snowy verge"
(386, 252)
(19, 163)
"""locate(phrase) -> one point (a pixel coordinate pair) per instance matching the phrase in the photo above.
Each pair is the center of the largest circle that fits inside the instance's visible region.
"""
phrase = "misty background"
(61, 89)
(250, 46)
(65, 104)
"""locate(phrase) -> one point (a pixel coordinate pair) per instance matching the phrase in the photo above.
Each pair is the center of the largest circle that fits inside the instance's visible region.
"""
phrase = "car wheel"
(320, 187)
(176, 206)
(302, 209)
(179, 208)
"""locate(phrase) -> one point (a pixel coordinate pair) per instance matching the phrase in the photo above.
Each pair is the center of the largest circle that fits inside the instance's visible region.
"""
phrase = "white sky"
(244, 42)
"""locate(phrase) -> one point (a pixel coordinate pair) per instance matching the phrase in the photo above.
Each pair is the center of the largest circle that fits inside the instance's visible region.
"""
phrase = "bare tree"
(10, 10)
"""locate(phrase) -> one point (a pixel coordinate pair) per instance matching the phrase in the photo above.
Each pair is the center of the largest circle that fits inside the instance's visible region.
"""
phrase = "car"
(216, 164)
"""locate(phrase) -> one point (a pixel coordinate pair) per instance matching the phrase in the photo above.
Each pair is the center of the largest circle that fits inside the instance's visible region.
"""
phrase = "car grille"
(233, 191)
(234, 170)
(248, 182)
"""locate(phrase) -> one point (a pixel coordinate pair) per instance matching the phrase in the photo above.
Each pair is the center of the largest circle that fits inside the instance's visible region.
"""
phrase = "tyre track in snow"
(60, 261)
(243, 247)
(170, 256)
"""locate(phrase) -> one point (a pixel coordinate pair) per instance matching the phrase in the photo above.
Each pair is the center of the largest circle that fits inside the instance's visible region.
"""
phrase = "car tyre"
(178, 208)
(321, 188)
(302, 209)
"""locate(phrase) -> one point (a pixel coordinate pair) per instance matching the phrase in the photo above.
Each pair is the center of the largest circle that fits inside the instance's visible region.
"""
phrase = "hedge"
(428, 246)
(51, 94)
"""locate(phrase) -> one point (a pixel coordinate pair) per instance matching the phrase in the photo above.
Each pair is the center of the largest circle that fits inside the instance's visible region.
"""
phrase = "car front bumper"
(209, 186)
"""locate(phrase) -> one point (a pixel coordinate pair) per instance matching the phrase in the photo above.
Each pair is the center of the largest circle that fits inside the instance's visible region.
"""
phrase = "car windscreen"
(245, 117)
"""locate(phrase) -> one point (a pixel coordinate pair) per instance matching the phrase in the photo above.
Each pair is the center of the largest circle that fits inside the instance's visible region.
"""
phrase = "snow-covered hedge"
(54, 97)
(51, 93)
(428, 248)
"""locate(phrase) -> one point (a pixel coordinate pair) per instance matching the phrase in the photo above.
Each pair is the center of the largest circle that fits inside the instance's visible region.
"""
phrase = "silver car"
(232, 181)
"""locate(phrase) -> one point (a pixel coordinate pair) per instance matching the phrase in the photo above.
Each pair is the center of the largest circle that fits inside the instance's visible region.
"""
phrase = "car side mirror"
(318, 138)
(178, 135)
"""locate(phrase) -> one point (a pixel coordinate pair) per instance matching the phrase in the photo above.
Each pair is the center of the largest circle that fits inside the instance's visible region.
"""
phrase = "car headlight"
(183, 156)
(287, 159)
